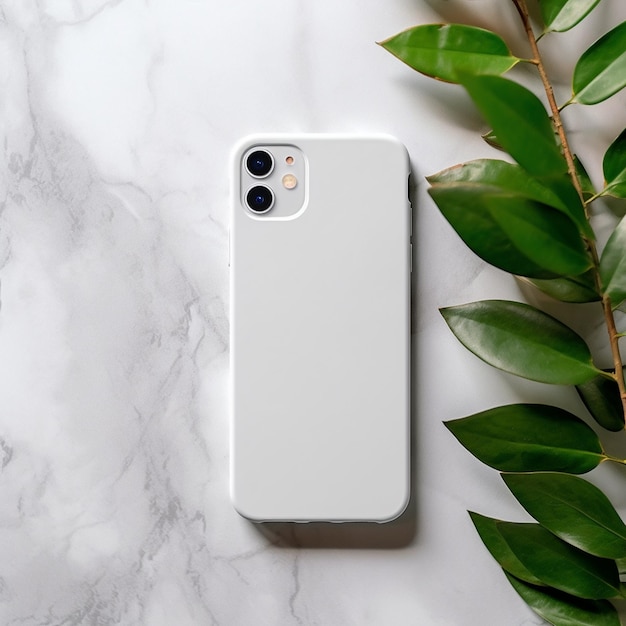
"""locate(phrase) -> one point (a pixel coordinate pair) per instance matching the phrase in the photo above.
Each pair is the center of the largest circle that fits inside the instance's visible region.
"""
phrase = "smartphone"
(320, 262)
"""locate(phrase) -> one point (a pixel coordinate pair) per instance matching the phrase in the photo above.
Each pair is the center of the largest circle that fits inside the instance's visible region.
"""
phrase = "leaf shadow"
(447, 102)
(617, 206)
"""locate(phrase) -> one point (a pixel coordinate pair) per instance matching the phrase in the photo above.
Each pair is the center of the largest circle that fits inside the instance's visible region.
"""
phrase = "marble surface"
(117, 121)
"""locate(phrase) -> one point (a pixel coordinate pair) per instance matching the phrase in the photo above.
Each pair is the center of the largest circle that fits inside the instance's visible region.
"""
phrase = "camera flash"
(289, 181)
(289, 160)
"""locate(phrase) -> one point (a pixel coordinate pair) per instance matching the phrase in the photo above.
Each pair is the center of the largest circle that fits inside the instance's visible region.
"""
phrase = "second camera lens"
(260, 199)
(259, 163)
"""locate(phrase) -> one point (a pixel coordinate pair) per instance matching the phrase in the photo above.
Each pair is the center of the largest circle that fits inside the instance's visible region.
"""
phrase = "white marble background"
(117, 118)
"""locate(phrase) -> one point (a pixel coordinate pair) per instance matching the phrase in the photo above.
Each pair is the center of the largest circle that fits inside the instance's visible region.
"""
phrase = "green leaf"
(502, 215)
(562, 609)
(508, 178)
(602, 399)
(529, 438)
(522, 340)
(567, 289)
(601, 70)
(501, 176)
(464, 206)
(614, 166)
(519, 121)
(487, 528)
(546, 237)
(559, 564)
(613, 265)
(445, 51)
(586, 184)
(561, 15)
(561, 185)
(492, 140)
(573, 509)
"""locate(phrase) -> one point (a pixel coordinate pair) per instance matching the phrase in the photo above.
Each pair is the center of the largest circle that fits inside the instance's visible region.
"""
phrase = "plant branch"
(607, 309)
(522, 9)
(614, 459)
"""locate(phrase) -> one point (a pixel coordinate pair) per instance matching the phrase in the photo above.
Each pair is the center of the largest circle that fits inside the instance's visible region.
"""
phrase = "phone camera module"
(260, 199)
(259, 163)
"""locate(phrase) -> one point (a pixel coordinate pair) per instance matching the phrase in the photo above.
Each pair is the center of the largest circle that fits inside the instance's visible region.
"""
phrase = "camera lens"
(260, 199)
(259, 163)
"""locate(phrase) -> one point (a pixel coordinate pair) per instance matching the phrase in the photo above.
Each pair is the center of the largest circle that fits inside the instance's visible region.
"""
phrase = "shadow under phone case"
(320, 338)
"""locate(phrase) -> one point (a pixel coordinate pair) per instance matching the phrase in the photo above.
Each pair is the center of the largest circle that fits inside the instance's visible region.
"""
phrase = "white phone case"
(320, 332)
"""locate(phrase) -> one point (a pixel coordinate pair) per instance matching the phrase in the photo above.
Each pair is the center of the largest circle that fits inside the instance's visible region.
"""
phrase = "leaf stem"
(607, 309)
(590, 200)
(615, 459)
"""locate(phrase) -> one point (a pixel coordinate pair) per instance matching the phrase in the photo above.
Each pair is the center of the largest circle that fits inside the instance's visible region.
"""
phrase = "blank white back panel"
(320, 333)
